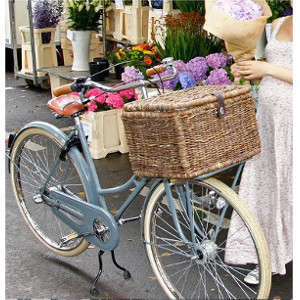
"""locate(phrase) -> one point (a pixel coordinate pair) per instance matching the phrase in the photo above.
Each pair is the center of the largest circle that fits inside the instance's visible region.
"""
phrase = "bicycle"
(185, 223)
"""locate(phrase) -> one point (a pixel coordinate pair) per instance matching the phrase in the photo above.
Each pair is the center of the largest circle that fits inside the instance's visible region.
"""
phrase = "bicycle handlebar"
(78, 84)
(64, 89)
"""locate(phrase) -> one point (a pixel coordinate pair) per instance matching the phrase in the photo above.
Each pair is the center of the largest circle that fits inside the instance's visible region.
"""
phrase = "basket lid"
(187, 98)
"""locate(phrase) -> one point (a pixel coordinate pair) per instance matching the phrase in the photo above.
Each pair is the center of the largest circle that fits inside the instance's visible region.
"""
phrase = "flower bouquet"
(239, 23)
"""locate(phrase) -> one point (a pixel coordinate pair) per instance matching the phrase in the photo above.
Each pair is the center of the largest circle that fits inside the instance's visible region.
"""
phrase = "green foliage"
(278, 7)
(192, 5)
(84, 14)
(186, 39)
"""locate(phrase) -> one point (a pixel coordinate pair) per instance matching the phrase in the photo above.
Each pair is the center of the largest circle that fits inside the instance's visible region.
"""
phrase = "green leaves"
(191, 5)
(84, 15)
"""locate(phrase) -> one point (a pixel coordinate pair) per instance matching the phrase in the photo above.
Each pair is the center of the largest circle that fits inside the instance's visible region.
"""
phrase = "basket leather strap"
(221, 106)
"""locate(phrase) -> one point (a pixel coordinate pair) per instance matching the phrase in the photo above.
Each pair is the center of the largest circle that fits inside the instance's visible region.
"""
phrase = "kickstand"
(93, 288)
(126, 273)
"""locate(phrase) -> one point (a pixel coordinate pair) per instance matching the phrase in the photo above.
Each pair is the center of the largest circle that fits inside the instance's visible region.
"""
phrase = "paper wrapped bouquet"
(240, 23)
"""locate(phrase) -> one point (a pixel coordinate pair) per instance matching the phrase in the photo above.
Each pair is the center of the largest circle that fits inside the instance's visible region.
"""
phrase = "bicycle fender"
(74, 153)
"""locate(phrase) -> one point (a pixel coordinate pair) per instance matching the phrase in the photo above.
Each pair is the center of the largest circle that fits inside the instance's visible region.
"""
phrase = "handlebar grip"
(64, 89)
(155, 70)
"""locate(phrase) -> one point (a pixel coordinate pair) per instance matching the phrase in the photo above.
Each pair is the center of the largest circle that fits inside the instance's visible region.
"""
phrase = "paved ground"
(33, 273)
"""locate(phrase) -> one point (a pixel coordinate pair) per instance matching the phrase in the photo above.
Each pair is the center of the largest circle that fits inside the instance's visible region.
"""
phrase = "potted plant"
(83, 17)
(186, 38)
(103, 124)
(143, 56)
(46, 14)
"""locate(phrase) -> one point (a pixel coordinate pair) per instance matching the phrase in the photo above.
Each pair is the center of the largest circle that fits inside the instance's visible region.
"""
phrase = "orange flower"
(148, 61)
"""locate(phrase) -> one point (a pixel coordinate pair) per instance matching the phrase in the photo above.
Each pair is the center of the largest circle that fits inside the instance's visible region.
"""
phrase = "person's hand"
(251, 69)
(235, 72)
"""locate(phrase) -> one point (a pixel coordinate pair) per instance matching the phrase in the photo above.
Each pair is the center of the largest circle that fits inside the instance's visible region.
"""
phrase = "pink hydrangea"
(92, 106)
(129, 94)
(100, 96)
(115, 100)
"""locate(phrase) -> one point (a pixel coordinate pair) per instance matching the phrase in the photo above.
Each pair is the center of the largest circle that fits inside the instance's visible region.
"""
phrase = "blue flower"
(186, 80)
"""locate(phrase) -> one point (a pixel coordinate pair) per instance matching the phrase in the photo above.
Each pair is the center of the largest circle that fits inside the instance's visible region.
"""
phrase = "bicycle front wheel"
(200, 270)
(32, 156)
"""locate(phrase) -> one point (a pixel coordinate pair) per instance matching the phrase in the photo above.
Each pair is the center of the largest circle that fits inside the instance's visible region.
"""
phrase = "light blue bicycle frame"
(97, 205)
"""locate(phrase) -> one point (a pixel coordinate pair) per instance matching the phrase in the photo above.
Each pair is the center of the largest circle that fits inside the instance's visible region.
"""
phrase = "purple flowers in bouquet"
(241, 10)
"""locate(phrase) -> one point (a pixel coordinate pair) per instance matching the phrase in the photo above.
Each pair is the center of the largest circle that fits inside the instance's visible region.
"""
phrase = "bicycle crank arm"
(71, 238)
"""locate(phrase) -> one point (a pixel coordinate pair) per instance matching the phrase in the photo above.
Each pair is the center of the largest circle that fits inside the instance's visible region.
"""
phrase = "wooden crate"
(45, 54)
(105, 132)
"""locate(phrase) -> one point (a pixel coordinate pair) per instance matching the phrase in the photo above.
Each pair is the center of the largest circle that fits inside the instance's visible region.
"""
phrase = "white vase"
(80, 43)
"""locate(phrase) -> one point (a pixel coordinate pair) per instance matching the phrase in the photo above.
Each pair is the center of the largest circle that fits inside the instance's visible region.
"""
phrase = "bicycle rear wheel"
(32, 157)
(201, 272)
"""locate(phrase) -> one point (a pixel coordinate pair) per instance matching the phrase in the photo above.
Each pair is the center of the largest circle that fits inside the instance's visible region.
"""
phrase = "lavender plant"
(46, 13)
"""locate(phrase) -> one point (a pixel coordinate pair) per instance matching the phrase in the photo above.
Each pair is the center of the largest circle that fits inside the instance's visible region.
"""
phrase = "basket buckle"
(221, 106)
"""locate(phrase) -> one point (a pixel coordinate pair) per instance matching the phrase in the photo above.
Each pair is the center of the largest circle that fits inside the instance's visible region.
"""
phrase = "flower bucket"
(45, 52)
(105, 132)
(80, 43)
(118, 71)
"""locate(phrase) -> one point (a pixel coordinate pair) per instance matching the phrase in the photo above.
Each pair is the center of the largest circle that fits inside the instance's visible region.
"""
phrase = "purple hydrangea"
(168, 84)
(186, 80)
(180, 65)
(171, 84)
(241, 10)
(198, 68)
(218, 77)
(216, 60)
(131, 74)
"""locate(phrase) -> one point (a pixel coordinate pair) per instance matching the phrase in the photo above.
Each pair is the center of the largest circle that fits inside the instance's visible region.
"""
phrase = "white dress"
(266, 184)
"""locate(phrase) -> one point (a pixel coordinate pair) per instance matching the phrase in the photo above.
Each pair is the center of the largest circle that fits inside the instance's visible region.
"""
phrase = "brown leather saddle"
(66, 105)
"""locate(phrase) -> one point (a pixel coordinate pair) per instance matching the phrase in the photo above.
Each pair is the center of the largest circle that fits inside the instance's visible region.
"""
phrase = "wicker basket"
(184, 134)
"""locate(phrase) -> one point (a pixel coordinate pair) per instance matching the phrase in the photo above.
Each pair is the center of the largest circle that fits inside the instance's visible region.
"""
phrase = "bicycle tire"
(31, 155)
(205, 275)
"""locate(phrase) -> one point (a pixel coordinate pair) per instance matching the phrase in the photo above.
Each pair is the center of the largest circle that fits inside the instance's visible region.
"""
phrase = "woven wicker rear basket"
(179, 134)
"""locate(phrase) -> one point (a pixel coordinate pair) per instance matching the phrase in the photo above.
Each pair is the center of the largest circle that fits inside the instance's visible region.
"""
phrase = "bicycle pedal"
(68, 239)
